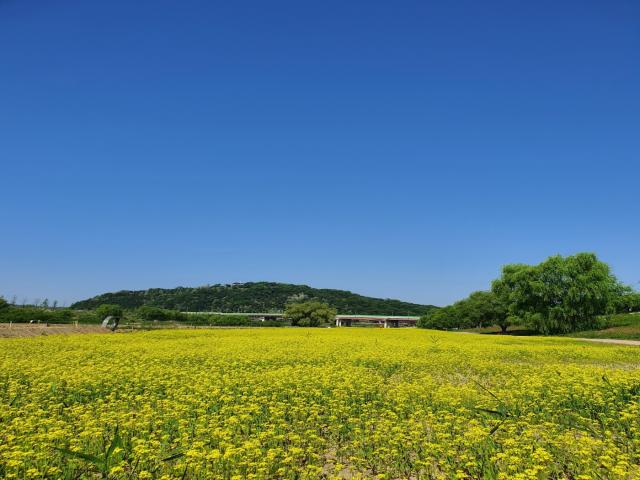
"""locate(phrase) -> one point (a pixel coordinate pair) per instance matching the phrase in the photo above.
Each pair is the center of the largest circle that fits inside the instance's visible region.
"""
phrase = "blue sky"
(395, 149)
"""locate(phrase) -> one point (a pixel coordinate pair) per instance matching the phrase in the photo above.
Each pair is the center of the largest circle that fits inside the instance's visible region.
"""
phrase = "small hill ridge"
(252, 297)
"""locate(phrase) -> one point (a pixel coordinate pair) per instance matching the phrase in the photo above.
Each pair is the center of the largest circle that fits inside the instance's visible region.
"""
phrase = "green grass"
(516, 330)
(624, 326)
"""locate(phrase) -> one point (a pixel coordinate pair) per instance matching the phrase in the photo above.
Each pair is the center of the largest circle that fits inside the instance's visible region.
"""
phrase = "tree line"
(559, 295)
(42, 314)
(297, 313)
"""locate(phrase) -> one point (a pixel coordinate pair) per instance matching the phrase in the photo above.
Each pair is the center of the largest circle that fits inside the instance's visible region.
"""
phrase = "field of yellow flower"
(317, 403)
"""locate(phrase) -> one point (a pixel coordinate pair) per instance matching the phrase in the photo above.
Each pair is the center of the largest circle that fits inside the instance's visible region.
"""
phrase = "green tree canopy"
(480, 309)
(106, 310)
(149, 313)
(561, 294)
(629, 301)
(444, 318)
(486, 308)
(309, 314)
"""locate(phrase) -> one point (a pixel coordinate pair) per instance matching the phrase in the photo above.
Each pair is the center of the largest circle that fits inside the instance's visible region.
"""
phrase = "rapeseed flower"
(268, 404)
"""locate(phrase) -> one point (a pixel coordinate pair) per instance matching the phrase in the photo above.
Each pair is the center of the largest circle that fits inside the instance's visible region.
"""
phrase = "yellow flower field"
(317, 403)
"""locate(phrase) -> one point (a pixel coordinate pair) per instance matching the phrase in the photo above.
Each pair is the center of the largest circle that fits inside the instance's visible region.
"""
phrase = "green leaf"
(173, 457)
(115, 442)
(84, 456)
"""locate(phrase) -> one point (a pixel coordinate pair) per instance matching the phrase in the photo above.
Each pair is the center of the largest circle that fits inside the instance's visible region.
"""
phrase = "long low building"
(385, 321)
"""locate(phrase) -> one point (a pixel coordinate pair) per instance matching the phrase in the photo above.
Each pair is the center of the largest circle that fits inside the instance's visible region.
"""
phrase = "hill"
(252, 297)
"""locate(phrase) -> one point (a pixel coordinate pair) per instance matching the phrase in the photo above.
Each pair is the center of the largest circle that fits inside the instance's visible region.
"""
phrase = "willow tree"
(561, 294)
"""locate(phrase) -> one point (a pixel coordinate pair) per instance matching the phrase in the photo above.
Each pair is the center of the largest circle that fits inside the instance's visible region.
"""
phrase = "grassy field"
(317, 403)
(624, 326)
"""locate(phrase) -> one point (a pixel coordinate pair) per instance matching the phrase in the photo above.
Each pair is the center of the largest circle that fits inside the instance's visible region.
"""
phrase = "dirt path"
(615, 341)
(35, 330)
(611, 340)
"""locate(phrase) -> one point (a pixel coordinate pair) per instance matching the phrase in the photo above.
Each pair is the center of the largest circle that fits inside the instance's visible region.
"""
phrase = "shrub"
(106, 310)
(149, 313)
(28, 314)
(309, 314)
(629, 301)
(216, 320)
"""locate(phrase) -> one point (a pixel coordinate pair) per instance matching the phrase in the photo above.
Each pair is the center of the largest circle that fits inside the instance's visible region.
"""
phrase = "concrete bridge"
(386, 321)
(383, 321)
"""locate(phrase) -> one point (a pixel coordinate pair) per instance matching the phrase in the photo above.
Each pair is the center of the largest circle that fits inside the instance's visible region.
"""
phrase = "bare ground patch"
(35, 330)
(611, 340)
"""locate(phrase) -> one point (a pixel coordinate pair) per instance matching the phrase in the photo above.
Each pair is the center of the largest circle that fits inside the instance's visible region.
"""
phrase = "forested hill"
(252, 297)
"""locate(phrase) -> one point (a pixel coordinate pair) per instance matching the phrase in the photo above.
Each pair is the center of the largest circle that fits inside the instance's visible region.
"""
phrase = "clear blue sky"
(395, 149)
